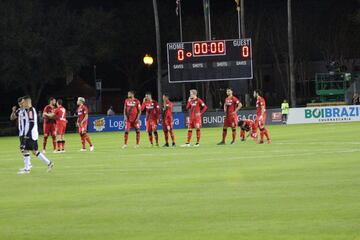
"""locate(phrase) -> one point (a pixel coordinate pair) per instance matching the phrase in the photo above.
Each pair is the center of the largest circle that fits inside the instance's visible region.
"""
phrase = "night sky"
(313, 21)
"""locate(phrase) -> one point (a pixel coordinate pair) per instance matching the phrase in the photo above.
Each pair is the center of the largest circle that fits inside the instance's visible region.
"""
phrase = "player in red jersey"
(261, 116)
(82, 123)
(132, 112)
(246, 125)
(196, 108)
(167, 121)
(152, 117)
(60, 115)
(231, 106)
(49, 123)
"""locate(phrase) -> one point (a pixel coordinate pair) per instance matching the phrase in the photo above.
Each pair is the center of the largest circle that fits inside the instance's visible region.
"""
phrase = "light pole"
(291, 57)
(241, 18)
(238, 16)
(207, 17)
(96, 97)
(242, 13)
(158, 50)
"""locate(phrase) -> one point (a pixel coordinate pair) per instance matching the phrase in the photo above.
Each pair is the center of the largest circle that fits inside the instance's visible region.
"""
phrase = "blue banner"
(116, 123)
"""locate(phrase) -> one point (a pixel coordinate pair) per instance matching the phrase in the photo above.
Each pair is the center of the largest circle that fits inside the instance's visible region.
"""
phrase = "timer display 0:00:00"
(215, 48)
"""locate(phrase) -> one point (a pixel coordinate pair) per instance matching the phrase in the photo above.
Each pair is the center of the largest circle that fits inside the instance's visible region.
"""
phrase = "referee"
(284, 111)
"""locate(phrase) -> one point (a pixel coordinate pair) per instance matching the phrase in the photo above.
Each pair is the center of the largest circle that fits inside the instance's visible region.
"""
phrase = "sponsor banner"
(116, 123)
(329, 114)
(216, 119)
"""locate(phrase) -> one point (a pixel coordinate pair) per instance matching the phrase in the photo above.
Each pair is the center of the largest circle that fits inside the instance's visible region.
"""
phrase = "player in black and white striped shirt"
(19, 114)
(31, 135)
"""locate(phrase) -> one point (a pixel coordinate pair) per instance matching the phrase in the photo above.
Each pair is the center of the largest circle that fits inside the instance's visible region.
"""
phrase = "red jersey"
(230, 105)
(167, 109)
(152, 110)
(49, 109)
(82, 111)
(131, 107)
(260, 102)
(60, 114)
(196, 107)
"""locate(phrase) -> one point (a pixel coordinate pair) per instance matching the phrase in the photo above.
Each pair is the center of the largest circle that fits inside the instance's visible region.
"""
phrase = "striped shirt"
(21, 115)
(31, 124)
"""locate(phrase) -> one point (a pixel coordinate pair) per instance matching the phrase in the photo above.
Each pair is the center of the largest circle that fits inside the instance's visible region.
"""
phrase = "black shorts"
(29, 144)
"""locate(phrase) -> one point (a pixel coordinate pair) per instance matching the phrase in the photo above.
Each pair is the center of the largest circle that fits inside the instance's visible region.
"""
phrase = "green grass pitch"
(305, 185)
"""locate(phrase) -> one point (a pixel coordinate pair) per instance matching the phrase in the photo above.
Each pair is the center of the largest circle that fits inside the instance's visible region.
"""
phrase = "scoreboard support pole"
(238, 17)
(242, 14)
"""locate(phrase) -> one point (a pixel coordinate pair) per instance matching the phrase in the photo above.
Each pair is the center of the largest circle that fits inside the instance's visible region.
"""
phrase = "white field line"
(316, 143)
(69, 155)
(106, 168)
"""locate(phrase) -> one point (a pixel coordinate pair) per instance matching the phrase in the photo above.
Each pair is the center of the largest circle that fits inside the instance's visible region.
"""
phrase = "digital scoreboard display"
(218, 60)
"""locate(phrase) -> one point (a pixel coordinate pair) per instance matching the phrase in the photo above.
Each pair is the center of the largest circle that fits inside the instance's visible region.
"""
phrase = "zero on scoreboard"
(217, 60)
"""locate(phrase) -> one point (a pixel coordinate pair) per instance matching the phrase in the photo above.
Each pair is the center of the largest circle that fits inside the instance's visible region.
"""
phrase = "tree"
(40, 44)
(31, 45)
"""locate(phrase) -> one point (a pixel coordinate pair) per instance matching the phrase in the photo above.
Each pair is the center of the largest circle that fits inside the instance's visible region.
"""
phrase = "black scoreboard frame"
(211, 55)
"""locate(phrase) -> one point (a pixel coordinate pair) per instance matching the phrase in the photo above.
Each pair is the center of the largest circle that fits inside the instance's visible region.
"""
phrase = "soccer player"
(231, 106)
(261, 116)
(60, 115)
(49, 123)
(82, 123)
(196, 108)
(167, 121)
(31, 134)
(19, 114)
(246, 125)
(132, 112)
(152, 117)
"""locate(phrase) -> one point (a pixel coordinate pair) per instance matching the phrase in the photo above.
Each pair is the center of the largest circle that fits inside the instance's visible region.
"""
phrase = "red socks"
(54, 142)
(61, 145)
(137, 137)
(234, 134)
(242, 134)
(85, 138)
(156, 137)
(166, 134)
(150, 138)
(198, 135)
(82, 141)
(44, 142)
(126, 138)
(189, 135)
(264, 132)
(172, 136)
(224, 135)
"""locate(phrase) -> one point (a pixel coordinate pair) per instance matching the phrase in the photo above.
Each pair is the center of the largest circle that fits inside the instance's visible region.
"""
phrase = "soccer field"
(305, 185)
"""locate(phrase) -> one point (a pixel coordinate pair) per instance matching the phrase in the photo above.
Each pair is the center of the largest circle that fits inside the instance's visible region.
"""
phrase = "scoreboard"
(218, 60)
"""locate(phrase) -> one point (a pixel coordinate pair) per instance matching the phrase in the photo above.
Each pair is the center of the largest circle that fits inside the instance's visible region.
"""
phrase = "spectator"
(284, 111)
(110, 111)
(356, 99)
